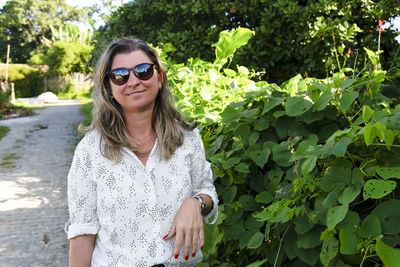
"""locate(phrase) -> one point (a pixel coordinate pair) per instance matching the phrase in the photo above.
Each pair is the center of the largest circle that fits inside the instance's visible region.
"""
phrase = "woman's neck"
(139, 125)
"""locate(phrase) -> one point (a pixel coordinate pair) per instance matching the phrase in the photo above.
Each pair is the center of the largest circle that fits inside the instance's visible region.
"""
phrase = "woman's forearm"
(81, 250)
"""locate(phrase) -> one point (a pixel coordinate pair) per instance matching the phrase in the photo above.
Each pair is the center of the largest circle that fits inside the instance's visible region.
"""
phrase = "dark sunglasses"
(142, 71)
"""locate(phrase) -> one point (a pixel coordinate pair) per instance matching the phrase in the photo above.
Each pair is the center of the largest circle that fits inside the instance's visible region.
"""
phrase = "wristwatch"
(203, 204)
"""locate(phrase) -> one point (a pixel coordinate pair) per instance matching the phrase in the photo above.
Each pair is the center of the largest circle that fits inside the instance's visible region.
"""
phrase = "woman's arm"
(209, 203)
(81, 250)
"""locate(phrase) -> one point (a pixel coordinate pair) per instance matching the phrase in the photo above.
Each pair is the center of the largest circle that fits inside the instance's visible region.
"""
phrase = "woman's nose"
(132, 80)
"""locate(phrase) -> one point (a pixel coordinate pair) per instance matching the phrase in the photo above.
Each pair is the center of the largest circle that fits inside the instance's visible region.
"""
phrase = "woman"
(139, 179)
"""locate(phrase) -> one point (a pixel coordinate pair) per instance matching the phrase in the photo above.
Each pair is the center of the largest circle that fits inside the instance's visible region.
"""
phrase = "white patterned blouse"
(131, 206)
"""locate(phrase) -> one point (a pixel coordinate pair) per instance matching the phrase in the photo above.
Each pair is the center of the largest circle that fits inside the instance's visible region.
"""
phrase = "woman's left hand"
(187, 226)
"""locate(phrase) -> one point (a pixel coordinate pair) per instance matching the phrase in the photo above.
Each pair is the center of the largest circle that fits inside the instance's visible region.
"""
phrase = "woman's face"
(135, 95)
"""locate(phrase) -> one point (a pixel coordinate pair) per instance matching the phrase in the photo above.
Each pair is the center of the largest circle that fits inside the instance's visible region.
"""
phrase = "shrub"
(28, 80)
(306, 171)
(64, 58)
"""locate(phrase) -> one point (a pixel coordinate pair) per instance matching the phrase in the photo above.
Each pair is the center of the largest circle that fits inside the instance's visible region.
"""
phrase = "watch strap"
(202, 204)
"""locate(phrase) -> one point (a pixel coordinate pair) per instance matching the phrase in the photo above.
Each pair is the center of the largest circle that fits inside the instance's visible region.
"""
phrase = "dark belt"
(159, 265)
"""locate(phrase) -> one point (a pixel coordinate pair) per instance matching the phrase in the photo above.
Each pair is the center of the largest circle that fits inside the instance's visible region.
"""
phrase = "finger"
(188, 243)
(178, 242)
(195, 241)
(171, 233)
(201, 236)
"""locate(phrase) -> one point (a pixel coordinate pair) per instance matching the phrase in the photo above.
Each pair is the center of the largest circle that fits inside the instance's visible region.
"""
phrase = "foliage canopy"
(306, 172)
(291, 36)
(24, 24)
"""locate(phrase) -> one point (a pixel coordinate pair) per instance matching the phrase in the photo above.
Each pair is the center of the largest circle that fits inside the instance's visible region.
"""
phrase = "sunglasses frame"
(137, 74)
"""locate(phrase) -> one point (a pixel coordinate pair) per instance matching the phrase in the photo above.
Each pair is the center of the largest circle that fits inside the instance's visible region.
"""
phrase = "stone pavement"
(34, 161)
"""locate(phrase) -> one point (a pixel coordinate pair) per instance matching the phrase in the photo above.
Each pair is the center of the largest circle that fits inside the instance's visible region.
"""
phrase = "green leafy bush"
(291, 36)
(63, 58)
(28, 80)
(306, 171)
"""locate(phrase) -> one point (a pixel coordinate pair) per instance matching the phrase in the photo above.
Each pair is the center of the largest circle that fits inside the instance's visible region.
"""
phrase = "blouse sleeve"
(202, 176)
(82, 195)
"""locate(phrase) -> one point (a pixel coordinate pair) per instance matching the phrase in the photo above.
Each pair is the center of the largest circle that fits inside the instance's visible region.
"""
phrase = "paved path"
(34, 162)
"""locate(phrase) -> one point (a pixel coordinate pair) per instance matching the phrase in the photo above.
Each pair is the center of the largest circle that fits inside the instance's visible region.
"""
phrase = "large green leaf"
(310, 239)
(295, 85)
(388, 172)
(212, 236)
(228, 43)
(272, 102)
(256, 240)
(348, 242)
(336, 177)
(370, 227)
(377, 188)
(338, 149)
(367, 113)
(230, 114)
(389, 256)
(370, 133)
(308, 165)
(322, 101)
(329, 250)
(335, 215)
(264, 197)
(349, 194)
(229, 193)
(281, 155)
(257, 263)
(303, 224)
(347, 98)
(389, 220)
(243, 131)
(260, 157)
(248, 203)
(350, 222)
(297, 105)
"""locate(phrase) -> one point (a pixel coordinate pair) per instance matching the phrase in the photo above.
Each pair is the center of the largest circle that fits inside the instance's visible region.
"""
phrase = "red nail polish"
(176, 256)
(165, 237)
(193, 254)
(201, 248)
(186, 258)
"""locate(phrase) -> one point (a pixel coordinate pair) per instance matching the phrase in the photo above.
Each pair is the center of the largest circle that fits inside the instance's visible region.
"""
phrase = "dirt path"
(34, 163)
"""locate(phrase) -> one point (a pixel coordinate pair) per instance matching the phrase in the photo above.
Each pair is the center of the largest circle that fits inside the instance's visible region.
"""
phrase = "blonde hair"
(108, 117)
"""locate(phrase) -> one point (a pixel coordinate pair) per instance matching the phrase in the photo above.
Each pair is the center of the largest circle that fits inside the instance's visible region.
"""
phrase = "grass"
(28, 106)
(86, 111)
(11, 156)
(7, 164)
(3, 131)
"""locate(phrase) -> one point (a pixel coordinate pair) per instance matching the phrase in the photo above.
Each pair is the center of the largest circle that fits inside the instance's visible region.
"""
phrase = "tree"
(67, 51)
(24, 24)
(291, 37)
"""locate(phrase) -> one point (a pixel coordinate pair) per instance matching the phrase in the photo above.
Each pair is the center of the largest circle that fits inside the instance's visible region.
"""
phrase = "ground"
(34, 161)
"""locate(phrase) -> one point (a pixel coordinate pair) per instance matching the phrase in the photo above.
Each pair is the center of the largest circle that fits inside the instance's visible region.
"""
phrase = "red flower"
(381, 22)
(349, 52)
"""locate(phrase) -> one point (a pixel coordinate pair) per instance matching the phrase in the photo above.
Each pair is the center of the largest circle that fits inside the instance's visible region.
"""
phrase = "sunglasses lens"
(119, 76)
(144, 71)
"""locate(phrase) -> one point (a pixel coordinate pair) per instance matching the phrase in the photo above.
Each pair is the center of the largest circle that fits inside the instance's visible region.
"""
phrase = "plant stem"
(280, 245)
(379, 40)
(334, 49)
(365, 255)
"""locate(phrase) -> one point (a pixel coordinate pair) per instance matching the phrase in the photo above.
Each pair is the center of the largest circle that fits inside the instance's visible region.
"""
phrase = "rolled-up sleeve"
(82, 195)
(202, 176)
